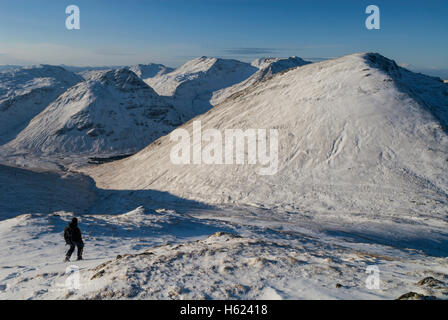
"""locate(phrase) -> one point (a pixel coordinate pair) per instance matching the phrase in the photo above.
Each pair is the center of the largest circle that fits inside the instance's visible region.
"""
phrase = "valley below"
(358, 208)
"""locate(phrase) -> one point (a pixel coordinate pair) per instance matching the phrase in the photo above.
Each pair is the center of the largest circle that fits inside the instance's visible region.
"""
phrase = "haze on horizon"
(172, 32)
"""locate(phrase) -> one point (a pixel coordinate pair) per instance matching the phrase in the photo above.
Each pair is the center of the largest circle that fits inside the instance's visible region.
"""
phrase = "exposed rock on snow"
(415, 296)
(24, 92)
(430, 282)
(163, 254)
(223, 266)
(228, 266)
(113, 112)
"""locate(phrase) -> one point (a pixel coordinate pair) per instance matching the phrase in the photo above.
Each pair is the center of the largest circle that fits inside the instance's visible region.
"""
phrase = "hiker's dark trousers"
(74, 244)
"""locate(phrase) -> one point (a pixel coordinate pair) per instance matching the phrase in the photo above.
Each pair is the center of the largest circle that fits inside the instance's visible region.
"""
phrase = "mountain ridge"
(191, 85)
(25, 92)
(113, 112)
(336, 130)
(267, 68)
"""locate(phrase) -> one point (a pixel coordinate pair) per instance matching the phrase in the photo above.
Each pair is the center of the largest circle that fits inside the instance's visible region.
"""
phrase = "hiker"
(72, 236)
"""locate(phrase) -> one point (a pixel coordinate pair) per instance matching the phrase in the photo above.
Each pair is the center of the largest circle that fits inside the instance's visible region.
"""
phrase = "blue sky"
(414, 33)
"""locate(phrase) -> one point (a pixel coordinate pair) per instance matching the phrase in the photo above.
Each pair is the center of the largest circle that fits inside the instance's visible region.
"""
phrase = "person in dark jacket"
(73, 238)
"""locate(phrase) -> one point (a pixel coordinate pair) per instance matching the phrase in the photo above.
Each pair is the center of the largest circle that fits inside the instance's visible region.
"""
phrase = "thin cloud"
(250, 51)
(317, 59)
(9, 59)
(113, 53)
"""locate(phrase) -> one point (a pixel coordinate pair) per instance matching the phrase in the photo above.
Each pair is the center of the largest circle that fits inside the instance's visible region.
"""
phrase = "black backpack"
(68, 235)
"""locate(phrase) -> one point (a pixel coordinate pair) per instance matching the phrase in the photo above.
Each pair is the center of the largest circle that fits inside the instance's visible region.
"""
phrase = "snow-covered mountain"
(113, 112)
(9, 66)
(357, 136)
(24, 92)
(192, 85)
(86, 69)
(279, 64)
(267, 67)
(361, 182)
(147, 71)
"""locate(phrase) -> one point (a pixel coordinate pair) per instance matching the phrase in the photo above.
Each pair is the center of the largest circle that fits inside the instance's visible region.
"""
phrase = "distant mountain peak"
(192, 84)
(25, 92)
(113, 112)
(379, 61)
(151, 70)
(359, 129)
(122, 78)
(268, 61)
(267, 67)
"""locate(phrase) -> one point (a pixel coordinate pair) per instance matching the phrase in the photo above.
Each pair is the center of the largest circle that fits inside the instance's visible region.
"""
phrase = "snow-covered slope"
(24, 92)
(361, 183)
(227, 266)
(358, 137)
(147, 71)
(161, 254)
(26, 191)
(114, 112)
(267, 68)
(192, 85)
